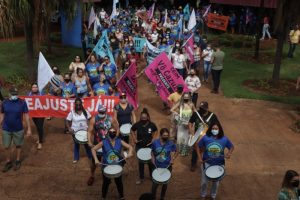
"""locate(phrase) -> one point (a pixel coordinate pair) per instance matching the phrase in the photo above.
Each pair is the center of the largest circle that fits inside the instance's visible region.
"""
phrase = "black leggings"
(163, 189)
(39, 123)
(107, 181)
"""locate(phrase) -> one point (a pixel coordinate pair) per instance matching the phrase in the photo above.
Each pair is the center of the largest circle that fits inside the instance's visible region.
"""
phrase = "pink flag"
(128, 83)
(151, 11)
(189, 46)
(163, 74)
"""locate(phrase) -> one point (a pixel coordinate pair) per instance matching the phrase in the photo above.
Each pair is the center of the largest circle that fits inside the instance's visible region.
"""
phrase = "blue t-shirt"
(110, 70)
(92, 71)
(13, 111)
(100, 89)
(162, 153)
(67, 89)
(111, 155)
(214, 148)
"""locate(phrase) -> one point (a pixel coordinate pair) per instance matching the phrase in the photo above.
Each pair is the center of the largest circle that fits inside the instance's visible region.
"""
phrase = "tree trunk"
(37, 25)
(257, 35)
(28, 30)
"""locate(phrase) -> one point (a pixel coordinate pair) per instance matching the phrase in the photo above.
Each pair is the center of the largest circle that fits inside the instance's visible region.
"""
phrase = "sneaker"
(17, 165)
(75, 161)
(7, 167)
(39, 146)
(139, 182)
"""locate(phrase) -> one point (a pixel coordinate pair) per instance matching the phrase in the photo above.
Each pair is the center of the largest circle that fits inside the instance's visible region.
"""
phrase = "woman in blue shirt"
(92, 69)
(111, 148)
(163, 155)
(211, 152)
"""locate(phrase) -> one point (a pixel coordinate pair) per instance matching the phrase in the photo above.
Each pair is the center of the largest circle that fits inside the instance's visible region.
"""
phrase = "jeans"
(266, 31)
(116, 53)
(292, 50)
(142, 167)
(39, 123)
(204, 183)
(181, 72)
(106, 183)
(77, 148)
(216, 76)
(207, 68)
(163, 189)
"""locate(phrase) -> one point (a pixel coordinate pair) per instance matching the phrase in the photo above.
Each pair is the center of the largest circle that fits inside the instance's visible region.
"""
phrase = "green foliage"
(224, 42)
(237, 43)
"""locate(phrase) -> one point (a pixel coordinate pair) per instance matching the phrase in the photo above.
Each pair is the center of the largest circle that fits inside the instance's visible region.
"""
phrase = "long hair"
(164, 130)
(221, 132)
(81, 107)
(182, 98)
(289, 175)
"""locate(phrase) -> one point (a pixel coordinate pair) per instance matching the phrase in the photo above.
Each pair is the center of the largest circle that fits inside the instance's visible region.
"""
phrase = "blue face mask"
(215, 132)
(14, 97)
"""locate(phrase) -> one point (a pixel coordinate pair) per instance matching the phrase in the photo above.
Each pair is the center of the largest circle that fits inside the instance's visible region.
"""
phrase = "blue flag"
(139, 44)
(186, 12)
(180, 27)
(102, 47)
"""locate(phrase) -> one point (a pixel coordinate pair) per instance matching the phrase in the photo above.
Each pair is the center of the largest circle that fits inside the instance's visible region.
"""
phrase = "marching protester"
(211, 152)
(217, 60)
(55, 82)
(207, 56)
(111, 148)
(179, 62)
(294, 37)
(101, 88)
(12, 112)
(144, 132)
(196, 123)
(193, 84)
(163, 155)
(109, 69)
(124, 114)
(76, 64)
(97, 132)
(92, 70)
(38, 121)
(290, 186)
(82, 84)
(266, 28)
(183, 110)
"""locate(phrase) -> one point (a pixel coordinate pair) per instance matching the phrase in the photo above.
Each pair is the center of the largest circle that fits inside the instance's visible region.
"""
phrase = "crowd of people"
(106, 142)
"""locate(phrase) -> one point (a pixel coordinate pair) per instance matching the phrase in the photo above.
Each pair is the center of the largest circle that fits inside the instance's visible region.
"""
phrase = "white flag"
(45, 72)
(114, 10)
(96, 26)
(192, 21)
(92, 17)
(166, 17)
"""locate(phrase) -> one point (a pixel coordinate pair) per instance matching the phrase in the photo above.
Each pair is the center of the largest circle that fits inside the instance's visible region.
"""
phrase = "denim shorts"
(16, 137)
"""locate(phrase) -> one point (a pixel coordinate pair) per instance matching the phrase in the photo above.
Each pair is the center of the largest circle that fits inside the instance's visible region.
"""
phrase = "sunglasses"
(122, 97)
(112, 132)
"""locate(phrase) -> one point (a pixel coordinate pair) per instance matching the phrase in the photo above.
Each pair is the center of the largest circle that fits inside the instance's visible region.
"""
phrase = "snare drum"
(215, 172)
(144, 155)
(80, 137)
(112, 171)
(161, 176)
(125, 129)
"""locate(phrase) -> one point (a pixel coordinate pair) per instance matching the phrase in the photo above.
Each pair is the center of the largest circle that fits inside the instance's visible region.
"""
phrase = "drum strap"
(200, 117)
(156, 154)
(207, 120)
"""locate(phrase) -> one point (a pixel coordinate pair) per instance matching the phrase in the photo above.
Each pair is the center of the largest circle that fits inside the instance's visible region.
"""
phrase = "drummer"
(195, 122)
(112, 147)
(211, 152)
(144, 131)
(97, 132)
(124, 113)
(163, 155)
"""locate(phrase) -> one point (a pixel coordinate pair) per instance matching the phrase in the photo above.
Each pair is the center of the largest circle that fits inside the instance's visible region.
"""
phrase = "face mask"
(195, 47)
(112, 135)
(67, 80)
(215, 132)
(14, 97)
(101, 115)
(144, 121)
(185, 100)
(177, 45)
(202, 111)
(131, 44)
(165, 139)
(295, 184)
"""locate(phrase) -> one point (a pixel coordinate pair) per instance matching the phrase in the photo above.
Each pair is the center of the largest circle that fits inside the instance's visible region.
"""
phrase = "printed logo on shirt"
(214, 149)
(162, 157)
(112, 157)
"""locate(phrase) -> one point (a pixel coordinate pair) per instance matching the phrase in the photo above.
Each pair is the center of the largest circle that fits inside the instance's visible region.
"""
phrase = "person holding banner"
(163, 154)
(112, 147)
(38, 121)
(82, 84)
(124, 113)
(183, 111)
(144, 132)
(92, 69)
(12, 112)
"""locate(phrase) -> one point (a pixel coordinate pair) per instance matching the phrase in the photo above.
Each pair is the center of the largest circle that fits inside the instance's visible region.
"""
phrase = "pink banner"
(189, 46)
(128, 83)
(166, 78)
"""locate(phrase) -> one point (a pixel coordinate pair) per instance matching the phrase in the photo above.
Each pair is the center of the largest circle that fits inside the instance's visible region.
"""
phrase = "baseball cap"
(204, 105)
(101, 108)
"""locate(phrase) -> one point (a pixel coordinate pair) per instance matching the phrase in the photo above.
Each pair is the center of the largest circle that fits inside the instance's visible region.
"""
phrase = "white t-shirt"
(154, 37)
(178, 61)
(209, 54)
(79, 122)
(102, 14)
(193, 83)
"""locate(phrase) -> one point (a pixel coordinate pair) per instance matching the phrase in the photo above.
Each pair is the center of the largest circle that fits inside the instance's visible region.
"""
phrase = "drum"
(112, 171)
(80, 137)
(144, 155)
(161, 175)
(125, 129)
(215, 172)
(201, 131)
(99, 151)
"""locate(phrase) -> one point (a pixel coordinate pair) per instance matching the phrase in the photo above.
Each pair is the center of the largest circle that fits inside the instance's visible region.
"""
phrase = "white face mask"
(123, 101)
(14, 97)
(215, 132)
(177, 45)
(101, 115)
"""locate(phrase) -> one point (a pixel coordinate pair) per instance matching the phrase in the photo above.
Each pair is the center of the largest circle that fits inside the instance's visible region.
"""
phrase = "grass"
(237, 71)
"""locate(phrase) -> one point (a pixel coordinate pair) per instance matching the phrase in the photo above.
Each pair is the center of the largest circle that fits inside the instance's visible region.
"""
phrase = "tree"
(286, 15)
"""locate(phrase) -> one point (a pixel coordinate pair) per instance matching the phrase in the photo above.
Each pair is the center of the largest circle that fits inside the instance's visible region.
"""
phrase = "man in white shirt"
(193, 83)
